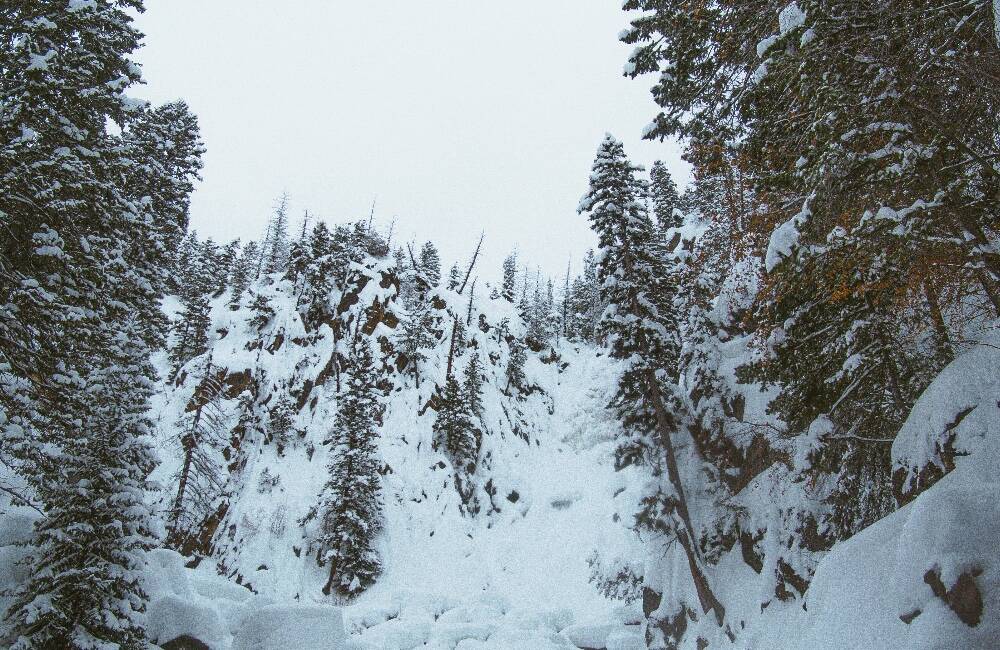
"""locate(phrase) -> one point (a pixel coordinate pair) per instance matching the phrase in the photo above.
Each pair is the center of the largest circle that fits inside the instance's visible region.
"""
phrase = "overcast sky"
(458, 115)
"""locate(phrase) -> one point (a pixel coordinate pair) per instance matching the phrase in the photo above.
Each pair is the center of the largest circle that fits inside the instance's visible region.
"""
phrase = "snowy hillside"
(544, 484)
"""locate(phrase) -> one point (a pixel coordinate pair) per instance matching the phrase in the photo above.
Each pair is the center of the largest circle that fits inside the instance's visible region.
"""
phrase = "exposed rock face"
(185, 642)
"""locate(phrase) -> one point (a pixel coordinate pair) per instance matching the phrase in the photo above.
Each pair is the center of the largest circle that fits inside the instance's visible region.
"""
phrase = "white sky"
(458, 115)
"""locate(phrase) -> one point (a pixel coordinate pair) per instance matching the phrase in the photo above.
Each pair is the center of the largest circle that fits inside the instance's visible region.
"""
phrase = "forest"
(763, 412)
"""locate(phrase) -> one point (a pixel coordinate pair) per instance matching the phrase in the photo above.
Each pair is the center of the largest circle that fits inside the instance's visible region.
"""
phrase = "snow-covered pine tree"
(281, 417)
(228, 256)
(509, 278)
(350, 504)
(75, 426)
(663, 196)
(875, 212)
(276, 244)
(515, 367)
(640, 328)
(241, 274)
(162, 152)
(320, 276)
(262, 310)
(430, 263)
(416, 336)
(452, 426)
(454, 277)
(472, 391)
(211, 268)
(193, 321)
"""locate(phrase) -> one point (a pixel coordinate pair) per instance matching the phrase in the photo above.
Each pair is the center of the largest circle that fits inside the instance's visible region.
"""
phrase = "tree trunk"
(686, 537)
(934, 307)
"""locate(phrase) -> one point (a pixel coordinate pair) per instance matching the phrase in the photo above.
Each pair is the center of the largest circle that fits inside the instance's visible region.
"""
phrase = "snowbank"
(201, 604)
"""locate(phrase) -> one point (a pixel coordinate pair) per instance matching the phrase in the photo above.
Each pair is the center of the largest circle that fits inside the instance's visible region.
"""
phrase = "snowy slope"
(544, 481)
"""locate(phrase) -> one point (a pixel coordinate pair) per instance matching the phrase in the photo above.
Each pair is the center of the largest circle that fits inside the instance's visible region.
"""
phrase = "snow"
(589, 635)
(784, 238)
(279, 627)
(961, 403)
(40, 61)
(996, 20)
(765, 44)
(626, 640)
(790, 18)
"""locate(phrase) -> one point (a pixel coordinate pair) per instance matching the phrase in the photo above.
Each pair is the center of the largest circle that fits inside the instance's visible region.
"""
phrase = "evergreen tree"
(241, 274)
(320, 275)
(212, 269)
(228, 257)
(163, 149)
(191, 336)
(416, 334)
(191, 330)
(75, 298)
(472, 395)
(263, 312)
(454, 277)
(453, 428)
(276, 244)
(430, 264)
(663, 196)
(351, 503)
(280, 421)
(188, 257)
(515, 367)
(640, 328)
(509, 277)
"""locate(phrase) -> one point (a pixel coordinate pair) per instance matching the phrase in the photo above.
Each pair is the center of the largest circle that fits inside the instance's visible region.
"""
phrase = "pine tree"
(515, 367)
(74, 299)
(211, 268)
(191, 330)
(280, 421)
(663, 196)
(416, 334)
(472, 395)
(640, 328)
(509, 277)
(430, 264)
(263, 312)
(241, 274)
(350, 503)
(453, 428)
(162, 152)
(454, 277)
(276, 244)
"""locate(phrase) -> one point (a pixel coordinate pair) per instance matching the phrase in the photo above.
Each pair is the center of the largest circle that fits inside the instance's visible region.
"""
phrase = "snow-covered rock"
(303, 627)
(630, 638)
(590, 635)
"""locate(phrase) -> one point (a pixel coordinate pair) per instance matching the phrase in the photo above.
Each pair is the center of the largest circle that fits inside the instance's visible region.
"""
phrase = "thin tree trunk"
(934, 307)
(686, 537)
